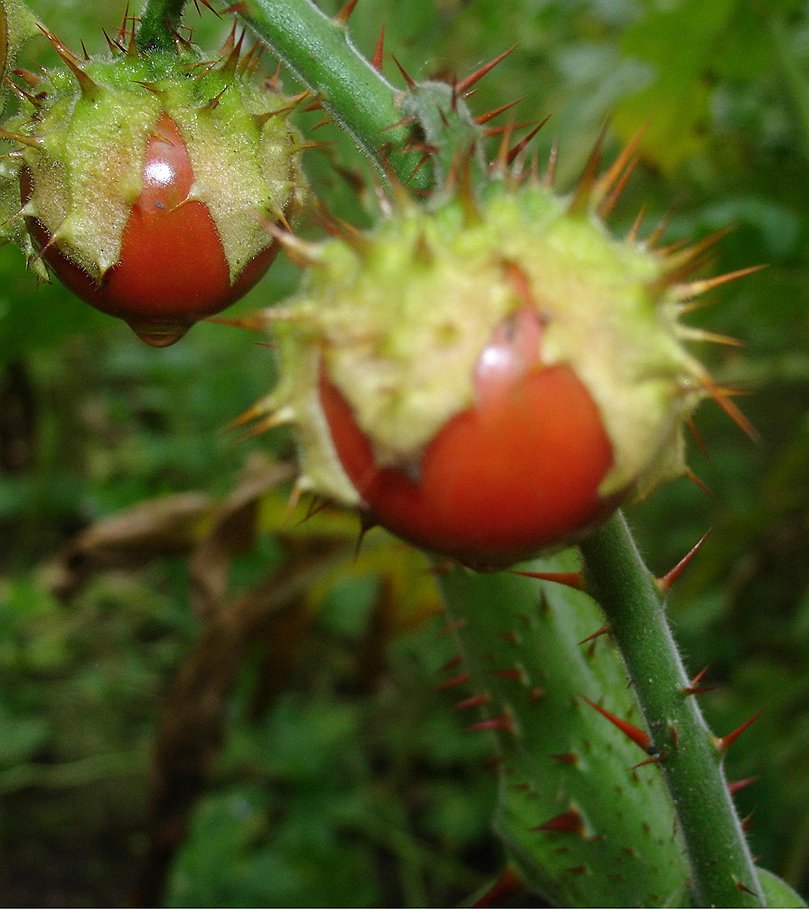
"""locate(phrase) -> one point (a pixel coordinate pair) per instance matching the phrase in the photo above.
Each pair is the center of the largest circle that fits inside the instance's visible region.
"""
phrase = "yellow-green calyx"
(83, 132)
(397, 320)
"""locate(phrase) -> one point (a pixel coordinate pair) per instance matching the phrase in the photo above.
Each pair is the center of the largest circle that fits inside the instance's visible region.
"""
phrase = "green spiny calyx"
(210, 147)
(400, 334)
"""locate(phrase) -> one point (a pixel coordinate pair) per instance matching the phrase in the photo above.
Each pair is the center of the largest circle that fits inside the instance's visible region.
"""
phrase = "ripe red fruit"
(518, 471)
(172, 269)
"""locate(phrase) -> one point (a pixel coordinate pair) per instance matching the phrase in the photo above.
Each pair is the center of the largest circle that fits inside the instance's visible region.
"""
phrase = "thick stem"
(723, 874)
(159, 25)
(318, 51)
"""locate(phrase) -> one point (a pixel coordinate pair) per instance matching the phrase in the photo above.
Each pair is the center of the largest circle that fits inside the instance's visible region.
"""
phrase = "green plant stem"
(318, 51)
(159, 24)
(723, 874)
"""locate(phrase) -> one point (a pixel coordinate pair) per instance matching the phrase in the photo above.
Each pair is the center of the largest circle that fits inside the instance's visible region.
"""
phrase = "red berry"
(518, 471)
(172, 269)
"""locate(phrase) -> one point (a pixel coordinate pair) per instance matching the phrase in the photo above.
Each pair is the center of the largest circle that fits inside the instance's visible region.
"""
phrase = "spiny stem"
(318, 51)
(159, 24)
(723, 874)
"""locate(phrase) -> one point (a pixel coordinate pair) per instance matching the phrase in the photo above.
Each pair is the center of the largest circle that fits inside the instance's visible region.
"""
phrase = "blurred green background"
(204, 701)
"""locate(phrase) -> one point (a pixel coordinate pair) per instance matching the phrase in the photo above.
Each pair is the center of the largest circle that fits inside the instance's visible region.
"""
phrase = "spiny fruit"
(144, 176)
(489, 375)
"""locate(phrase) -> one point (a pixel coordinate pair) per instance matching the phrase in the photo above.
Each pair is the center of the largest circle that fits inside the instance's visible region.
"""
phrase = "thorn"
(694, 687)
(742, 887)
(508, 885)
(452, 625)
(613, 181)
(460, 680)
(295, 101)
(462, 86)
(317, 504)
(86, 84)
(516, 673)
(694, 478)
(112, 43)
(687, 291)
(657, 233)
(474, 702)
(721, 397)
(501, 723)
(570, 822)
(702, 335)
(723, 743)
(697, 437)
(567, 758)
(638, 736)
(573, 580)
(301, 252)
(345, 13)
(461, 174)
(508, 127)
(379, 51)
(500, 163)
(747, 822)
(231, 64)
(453, 662)
(582, 195)
(485, 118)
(122, 29)
(667, 582)
(151, 87)
(405, 121)
(22, 94)
(520, 146)
(343, 230)
(214, 102)
(735, 786)
(405, 75)
(656, 759)
(31, 141)
(632, 233)
(685, 261)
(604, 630)
(249, 63)
(30, 78)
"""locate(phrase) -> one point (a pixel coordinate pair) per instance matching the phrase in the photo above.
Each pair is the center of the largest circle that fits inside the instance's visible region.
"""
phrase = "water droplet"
(159, 334)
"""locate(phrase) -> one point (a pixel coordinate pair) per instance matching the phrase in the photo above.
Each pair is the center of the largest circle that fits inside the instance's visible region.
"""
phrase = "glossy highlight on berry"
(172, 269)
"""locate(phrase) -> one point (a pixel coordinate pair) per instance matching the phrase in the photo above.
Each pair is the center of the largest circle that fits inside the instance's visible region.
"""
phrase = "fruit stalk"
(318, 51)
(159, 25)
(722, 870)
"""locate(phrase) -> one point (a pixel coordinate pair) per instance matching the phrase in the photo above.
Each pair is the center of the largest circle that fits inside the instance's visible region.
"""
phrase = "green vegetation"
(207, 702)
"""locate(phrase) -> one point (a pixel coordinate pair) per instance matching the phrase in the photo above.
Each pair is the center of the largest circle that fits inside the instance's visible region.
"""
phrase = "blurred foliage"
(211, 704)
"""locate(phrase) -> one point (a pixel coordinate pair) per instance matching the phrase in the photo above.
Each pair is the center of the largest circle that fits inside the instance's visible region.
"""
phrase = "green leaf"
(678, 43)
(778, 892)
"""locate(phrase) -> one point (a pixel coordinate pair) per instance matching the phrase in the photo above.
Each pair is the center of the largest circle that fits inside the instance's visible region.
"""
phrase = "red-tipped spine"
(638, 736)
(667, 582)
(723, 743)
